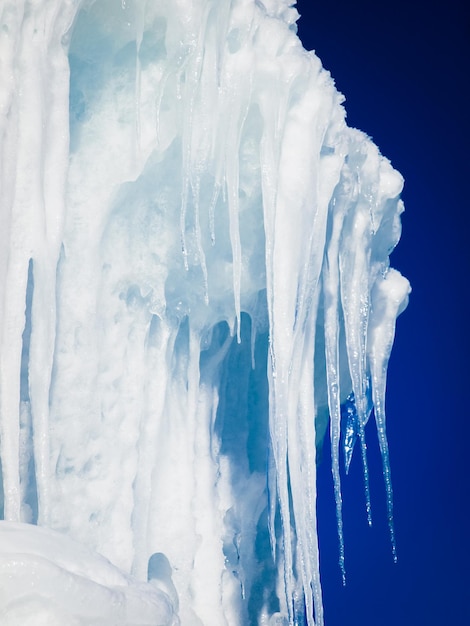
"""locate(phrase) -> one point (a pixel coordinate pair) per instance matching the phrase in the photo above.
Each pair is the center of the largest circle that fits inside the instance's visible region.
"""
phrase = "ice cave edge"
(194, 275)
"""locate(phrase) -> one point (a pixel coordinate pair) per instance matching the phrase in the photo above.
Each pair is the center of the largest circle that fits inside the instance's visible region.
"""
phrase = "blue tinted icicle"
(331, 328)
(355, 299)
(391, 296)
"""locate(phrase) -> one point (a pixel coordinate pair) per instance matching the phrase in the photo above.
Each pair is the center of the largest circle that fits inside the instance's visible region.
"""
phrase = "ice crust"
(194, 278)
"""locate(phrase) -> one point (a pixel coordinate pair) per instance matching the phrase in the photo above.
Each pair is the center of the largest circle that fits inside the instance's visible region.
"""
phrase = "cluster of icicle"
(194, 277)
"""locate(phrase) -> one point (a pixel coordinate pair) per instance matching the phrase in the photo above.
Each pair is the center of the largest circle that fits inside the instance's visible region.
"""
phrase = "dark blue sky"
(403, 67)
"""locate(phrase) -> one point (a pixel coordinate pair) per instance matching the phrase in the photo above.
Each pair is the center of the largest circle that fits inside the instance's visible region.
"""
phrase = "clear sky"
(403, 67)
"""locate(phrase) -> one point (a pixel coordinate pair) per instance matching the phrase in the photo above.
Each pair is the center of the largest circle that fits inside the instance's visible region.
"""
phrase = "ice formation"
(194, 280)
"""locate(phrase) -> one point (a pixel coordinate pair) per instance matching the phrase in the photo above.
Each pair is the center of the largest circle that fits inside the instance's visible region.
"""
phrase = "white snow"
(48, 579)
(194, 274)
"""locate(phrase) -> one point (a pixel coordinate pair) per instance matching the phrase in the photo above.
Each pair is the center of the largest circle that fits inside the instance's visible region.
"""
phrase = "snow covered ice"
(194, 280)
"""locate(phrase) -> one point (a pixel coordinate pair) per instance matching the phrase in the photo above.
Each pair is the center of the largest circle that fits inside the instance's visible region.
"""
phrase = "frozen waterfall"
(194, 287)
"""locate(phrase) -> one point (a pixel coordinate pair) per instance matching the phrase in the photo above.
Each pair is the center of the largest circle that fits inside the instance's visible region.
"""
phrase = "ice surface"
(48, 579)
(194, 278)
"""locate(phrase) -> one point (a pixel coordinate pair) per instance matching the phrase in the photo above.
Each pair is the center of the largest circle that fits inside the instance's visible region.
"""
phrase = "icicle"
(10, 366)
(351, 429)
(389, 297)
(331, 304)
(302, 471)
(355, 288)
(238, 85)
(40, 372)
(159, 342)
(39, 151)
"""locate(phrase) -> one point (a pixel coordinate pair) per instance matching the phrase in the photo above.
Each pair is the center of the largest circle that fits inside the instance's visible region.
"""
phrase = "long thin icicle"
(331, 297)
(391, 294)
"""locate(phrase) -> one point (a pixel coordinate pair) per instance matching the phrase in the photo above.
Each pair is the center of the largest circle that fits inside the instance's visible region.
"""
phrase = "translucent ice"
(194, 277)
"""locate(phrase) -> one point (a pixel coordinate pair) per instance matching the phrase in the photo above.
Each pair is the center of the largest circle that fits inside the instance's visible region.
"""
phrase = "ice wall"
(194, 277)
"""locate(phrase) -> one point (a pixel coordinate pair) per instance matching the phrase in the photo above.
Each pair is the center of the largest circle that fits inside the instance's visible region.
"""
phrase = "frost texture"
(194, 278)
